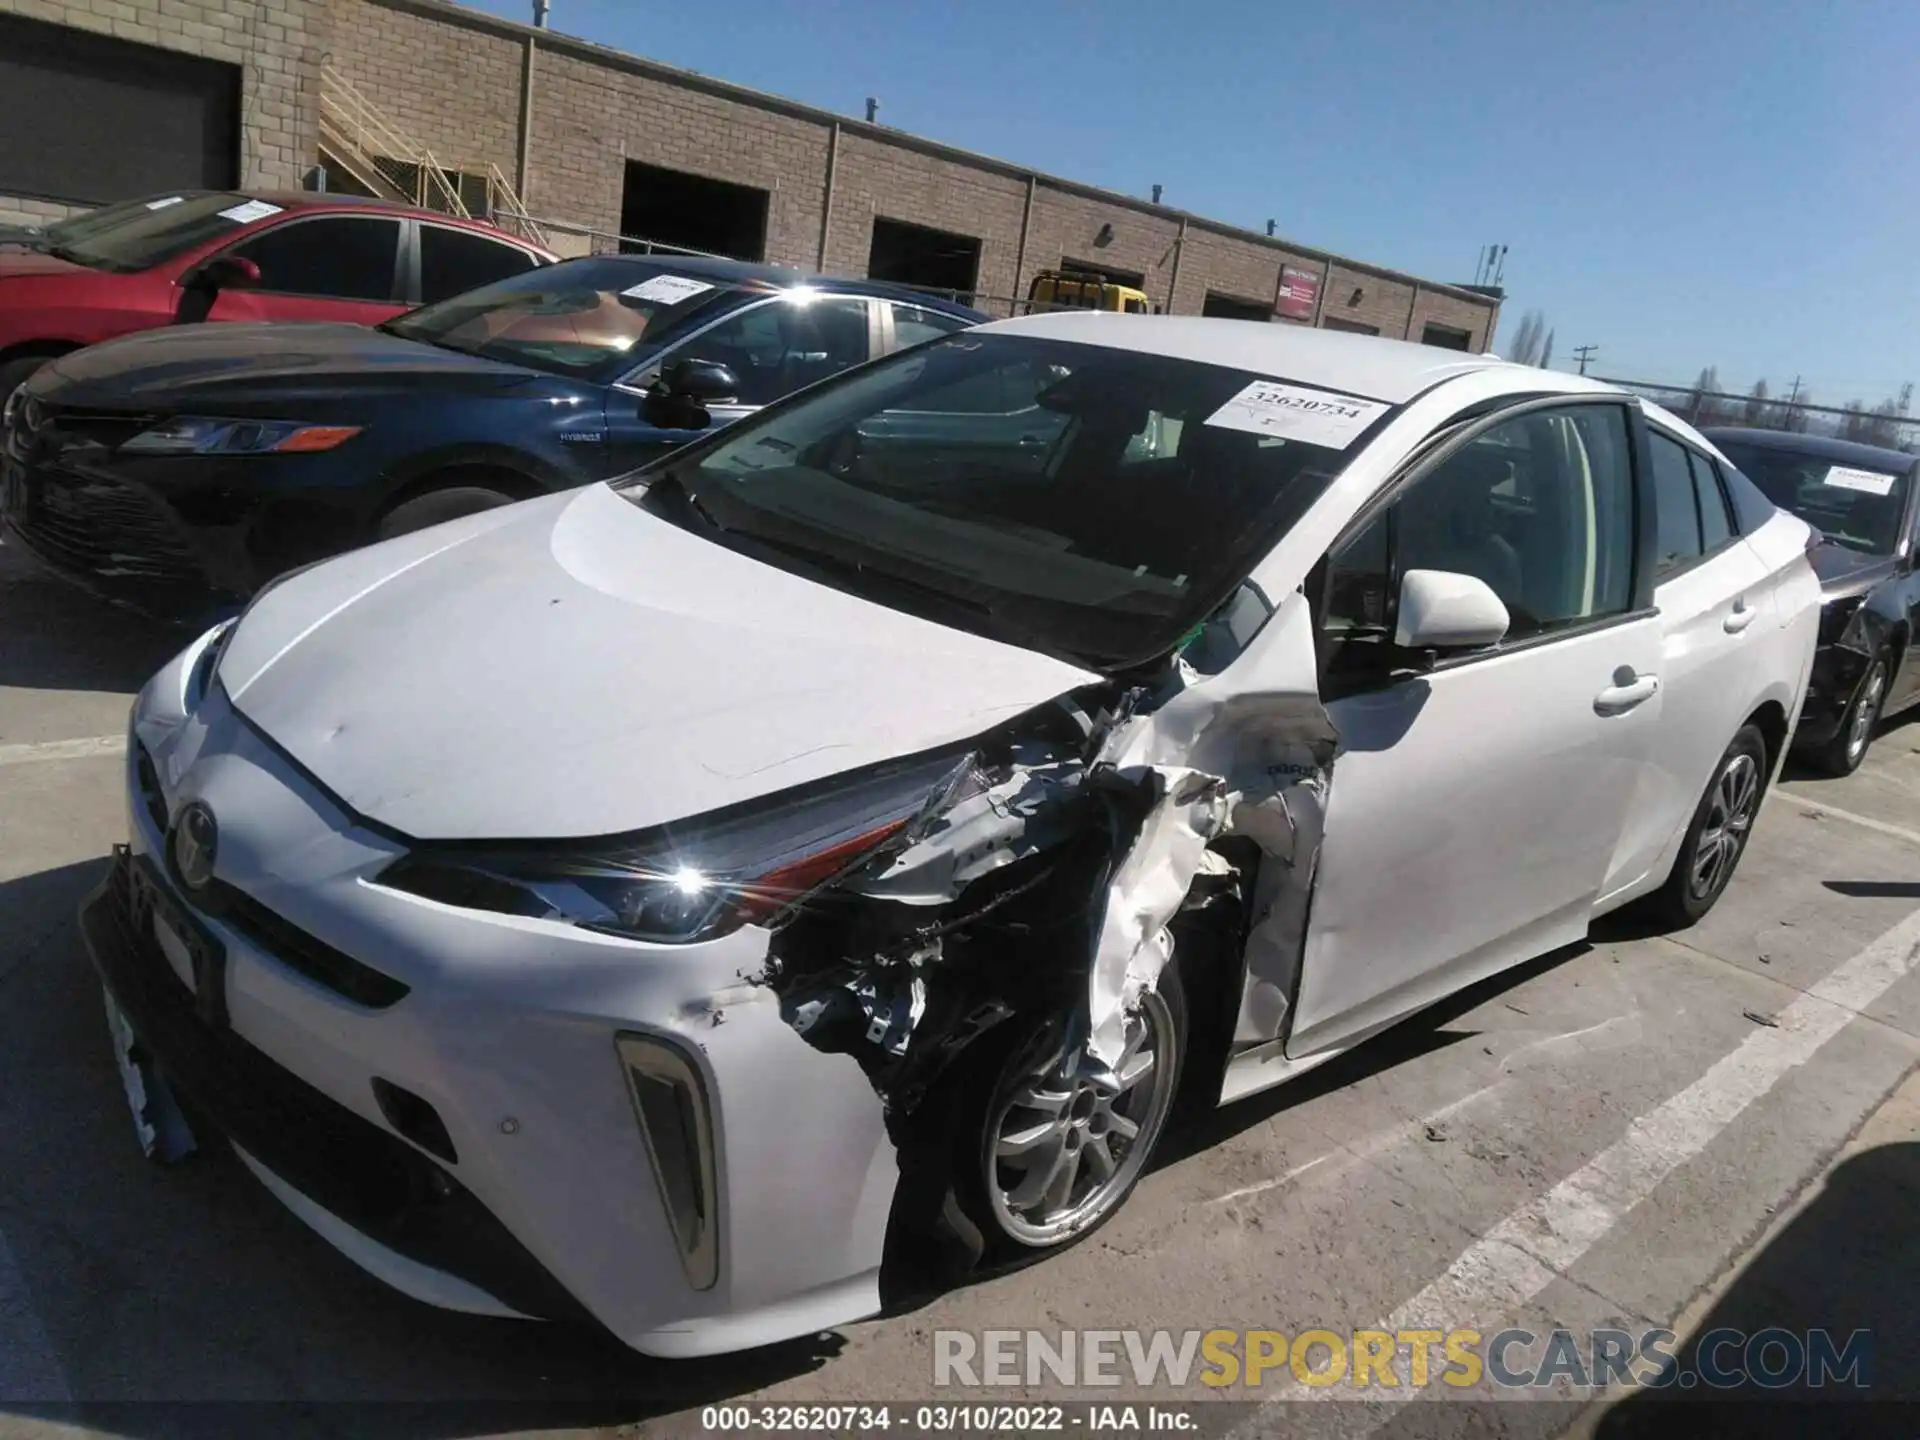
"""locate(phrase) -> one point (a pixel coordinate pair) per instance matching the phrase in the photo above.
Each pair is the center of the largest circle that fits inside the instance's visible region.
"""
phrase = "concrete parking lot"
(1592, 1140)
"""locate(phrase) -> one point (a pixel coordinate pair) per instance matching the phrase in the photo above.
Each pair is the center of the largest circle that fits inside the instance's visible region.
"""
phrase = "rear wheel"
(1717, 837)
(436, 507)
(1842, 754)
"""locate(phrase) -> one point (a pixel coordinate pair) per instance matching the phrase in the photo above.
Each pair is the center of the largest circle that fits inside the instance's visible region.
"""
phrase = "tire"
(436, 507)
(1723, 820)
(14, 373)
(1842, 754)
(1014, 1211)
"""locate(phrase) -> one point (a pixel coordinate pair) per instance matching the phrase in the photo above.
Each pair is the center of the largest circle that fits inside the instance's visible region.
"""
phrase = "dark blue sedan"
(180, 469)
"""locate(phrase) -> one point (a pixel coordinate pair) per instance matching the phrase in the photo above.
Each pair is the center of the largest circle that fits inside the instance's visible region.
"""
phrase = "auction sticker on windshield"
(1868, 482)
(249, 212)
(1292, 412)
(667, 289)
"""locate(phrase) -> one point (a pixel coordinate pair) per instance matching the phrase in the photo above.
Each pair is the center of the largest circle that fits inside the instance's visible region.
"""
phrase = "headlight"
(188, 435)
(701, 879)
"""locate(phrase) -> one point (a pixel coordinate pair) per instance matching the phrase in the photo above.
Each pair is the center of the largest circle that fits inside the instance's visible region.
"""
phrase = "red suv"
(223, 255)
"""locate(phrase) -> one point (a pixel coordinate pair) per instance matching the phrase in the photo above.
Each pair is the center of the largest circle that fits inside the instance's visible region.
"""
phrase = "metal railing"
(1884, 425)
(360, 141)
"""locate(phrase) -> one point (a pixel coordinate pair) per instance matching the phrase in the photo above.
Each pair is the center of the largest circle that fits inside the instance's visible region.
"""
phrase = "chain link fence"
(1886, 425)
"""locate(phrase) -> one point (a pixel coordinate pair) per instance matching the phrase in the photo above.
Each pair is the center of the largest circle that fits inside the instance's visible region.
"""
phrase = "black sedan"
(180, 469)
(1862, 500)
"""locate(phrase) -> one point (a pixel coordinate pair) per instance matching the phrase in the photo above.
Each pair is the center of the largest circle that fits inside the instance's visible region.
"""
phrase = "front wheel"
(1717, 836)
(1063, 1138)
(1842, 754)
(436, 507)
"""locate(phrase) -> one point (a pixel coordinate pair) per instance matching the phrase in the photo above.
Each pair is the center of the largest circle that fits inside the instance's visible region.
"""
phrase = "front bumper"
(508, 1031)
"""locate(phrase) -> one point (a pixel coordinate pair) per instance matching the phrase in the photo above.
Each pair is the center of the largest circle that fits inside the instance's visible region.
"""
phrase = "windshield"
(1093, 503)
(158, 230)
(107, 217)
(590, 318)
(1855, 506)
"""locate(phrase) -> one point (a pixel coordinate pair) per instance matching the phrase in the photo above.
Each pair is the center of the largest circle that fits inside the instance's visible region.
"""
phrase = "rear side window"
(453, 262)
(1716, 526)
(912, 325)
(338, 257)
(1674, 506)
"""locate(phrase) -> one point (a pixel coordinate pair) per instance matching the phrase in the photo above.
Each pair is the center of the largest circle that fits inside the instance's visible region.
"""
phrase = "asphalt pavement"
(1615, 1136)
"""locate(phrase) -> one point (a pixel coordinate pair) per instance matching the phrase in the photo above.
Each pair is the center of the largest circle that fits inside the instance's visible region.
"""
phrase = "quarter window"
(1716, 526)
(912, 325)
(1674, 507)
(1540, 508)
(338, 257)
(776, 348)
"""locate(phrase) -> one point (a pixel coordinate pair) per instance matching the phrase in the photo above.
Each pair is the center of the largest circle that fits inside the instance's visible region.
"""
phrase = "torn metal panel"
(1287, 828)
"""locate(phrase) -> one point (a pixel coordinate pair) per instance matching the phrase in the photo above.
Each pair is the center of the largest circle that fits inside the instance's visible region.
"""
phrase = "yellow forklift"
(1076, 290)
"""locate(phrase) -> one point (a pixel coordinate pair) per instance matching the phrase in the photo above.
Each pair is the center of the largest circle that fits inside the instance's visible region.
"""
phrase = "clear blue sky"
(1682, 184)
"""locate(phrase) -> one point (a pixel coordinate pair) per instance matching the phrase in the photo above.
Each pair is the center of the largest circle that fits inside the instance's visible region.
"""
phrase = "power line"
(1584, 353)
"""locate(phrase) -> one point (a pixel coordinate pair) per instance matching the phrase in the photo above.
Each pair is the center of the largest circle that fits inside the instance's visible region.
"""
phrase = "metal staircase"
(362, 146)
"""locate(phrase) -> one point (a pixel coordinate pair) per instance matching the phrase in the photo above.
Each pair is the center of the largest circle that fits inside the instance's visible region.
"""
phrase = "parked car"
(180, 469)
(717, 900)
(227, 255)
(1862, 501)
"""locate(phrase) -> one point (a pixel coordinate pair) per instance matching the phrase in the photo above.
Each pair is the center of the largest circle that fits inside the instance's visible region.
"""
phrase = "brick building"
(104, 99)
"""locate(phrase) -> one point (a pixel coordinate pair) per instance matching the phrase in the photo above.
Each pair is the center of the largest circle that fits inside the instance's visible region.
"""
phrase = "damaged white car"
(720, 902)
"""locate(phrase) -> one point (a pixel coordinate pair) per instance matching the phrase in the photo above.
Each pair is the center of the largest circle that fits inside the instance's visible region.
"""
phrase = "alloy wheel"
(1068, 1137)
(1866, 711)
(1730, 812)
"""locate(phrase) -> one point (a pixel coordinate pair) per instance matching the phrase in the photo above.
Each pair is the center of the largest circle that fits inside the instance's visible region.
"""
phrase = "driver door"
(1477, 802)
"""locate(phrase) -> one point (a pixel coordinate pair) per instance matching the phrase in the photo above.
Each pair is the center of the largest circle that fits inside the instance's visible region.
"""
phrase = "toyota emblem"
(193, 843)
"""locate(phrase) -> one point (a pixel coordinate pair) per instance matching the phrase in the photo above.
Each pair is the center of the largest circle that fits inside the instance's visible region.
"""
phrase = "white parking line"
(29, 1371)
(1820, 807)
(85, 749)
(1524, 1253)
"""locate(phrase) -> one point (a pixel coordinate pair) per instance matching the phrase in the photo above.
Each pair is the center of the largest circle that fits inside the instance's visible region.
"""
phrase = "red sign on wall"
(1299, 293)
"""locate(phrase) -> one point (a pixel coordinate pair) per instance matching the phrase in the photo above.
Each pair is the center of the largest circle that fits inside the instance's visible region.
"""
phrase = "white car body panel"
(571, 667)
(552, 720)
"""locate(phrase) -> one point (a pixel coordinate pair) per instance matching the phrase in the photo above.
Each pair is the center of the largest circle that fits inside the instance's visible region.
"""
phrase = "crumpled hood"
(574, 667)
(182, 367)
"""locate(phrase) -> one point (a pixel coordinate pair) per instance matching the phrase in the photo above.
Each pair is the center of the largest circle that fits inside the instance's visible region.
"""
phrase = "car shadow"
(58, 637)
(188, 1283)
(1840, 1282)
(1875, 889)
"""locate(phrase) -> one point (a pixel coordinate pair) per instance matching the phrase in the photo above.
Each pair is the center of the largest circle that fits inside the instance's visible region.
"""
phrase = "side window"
(773, 349)
(912, 325)
(1674, 506)
(340, 257)
(453, 262)
(1716, 525)
(1539, 507)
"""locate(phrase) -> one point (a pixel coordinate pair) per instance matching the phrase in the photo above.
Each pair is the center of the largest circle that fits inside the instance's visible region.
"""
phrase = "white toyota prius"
(717, 903)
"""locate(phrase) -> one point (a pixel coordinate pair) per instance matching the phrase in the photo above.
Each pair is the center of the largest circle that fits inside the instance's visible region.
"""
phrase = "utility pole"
(1585, 353)
(1795, 393)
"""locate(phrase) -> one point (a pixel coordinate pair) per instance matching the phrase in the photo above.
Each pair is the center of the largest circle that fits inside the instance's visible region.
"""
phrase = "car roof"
(1820, 447)
(1365, 365)
(785, 277)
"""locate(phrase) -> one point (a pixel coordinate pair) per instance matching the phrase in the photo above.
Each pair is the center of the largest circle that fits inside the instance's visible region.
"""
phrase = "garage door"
(89, 119)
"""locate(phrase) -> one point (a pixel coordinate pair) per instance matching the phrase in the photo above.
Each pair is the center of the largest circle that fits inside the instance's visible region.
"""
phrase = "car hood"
(187, 366)
(19, 260)
(572, 667)
(1840, 568)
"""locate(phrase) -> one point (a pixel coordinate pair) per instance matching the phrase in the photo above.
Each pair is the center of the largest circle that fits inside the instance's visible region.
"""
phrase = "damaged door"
(1478, 798)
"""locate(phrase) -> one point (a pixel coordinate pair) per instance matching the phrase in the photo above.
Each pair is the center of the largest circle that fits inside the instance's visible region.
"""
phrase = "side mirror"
(1444, 610)
(225, 272)
(704, 382)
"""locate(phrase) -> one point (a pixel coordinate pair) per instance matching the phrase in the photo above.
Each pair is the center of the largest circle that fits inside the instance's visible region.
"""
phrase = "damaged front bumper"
(739, 1199)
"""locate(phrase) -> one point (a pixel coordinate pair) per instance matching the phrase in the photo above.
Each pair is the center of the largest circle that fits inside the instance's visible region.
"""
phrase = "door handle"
(1628, 690)
(1740, 618)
